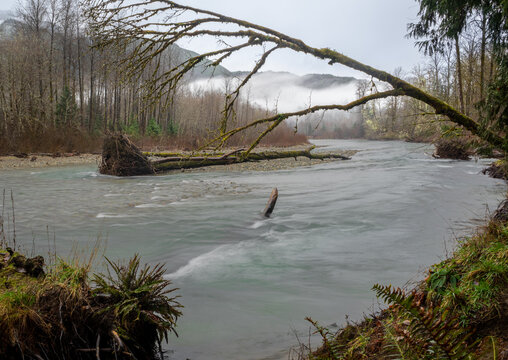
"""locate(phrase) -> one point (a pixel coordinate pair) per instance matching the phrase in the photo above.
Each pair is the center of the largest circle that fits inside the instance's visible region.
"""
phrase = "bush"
(172, 128)
(131, 129)
(153, 128)
(66, 108)
(139, 299)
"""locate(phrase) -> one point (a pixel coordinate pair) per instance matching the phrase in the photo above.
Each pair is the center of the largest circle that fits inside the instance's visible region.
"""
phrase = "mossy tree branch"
(119, 22)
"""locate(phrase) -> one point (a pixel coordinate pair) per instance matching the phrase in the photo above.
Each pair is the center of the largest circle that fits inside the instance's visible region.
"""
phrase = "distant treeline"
(59, 93)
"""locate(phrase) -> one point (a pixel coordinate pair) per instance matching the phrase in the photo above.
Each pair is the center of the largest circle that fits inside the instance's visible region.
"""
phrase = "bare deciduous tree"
(152, 26)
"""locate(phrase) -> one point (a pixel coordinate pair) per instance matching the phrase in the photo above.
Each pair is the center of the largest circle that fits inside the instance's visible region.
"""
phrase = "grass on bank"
(70, 313)
(460, 311)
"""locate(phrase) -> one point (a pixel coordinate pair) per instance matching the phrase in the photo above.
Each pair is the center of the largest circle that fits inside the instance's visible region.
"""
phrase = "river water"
(248, 283)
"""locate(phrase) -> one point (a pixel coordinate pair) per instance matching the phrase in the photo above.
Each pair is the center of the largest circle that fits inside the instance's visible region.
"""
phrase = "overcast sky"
(371, 31)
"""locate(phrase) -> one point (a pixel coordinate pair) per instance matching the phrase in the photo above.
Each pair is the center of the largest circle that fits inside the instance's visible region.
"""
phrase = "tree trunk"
(482, 54)
(459, 75)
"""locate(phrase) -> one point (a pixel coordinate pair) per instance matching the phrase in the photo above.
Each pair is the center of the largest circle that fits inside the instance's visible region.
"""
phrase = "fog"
(284, 92)
(287, 92)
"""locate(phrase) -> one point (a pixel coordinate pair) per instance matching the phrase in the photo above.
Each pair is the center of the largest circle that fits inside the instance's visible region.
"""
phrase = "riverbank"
(35, 161)
(64, 310)
(459, 311)
(41, 161)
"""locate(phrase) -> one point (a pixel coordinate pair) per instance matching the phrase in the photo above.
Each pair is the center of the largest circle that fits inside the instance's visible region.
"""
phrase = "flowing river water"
(248, 283)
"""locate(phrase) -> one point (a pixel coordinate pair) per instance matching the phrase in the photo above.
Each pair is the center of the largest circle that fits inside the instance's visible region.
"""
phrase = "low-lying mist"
(287, 92)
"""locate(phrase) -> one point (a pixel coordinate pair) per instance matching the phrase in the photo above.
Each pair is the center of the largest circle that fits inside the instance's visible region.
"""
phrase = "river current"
(247, 283)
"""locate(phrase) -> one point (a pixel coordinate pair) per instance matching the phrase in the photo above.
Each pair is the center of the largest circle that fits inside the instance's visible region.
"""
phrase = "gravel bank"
(36, 161)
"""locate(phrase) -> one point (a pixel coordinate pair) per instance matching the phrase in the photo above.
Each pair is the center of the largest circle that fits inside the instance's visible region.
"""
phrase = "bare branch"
(117, 21)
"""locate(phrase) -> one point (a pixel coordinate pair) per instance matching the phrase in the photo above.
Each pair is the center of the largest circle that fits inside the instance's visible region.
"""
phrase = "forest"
(56, 81)
(60, 94)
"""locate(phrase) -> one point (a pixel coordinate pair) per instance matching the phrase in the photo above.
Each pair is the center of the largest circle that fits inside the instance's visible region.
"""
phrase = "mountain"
(8, 23)
(323, 81)
(265, 84)
(202, 70)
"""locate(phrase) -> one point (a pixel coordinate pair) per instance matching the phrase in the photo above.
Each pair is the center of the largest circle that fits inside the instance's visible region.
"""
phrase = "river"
(248, 283)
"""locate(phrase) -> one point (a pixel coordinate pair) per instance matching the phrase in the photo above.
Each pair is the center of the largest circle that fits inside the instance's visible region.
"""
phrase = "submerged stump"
(120, 157)
(271, 203)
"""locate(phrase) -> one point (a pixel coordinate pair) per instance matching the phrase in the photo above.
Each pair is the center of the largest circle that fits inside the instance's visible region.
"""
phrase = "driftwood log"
(120, 157)
(189, 162)
(271, 203)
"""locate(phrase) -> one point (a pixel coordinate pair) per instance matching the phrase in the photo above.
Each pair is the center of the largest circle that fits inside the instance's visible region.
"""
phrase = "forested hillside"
(60, 94)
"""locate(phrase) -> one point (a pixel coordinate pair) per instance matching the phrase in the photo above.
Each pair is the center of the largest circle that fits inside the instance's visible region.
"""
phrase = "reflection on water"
(247, 282)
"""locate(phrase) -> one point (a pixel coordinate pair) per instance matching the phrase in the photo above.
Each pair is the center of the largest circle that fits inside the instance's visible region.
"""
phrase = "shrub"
(153, 128)
(139, 299)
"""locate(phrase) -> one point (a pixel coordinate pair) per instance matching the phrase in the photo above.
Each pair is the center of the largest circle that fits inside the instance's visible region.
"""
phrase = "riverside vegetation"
(460, 310)
(64, 310)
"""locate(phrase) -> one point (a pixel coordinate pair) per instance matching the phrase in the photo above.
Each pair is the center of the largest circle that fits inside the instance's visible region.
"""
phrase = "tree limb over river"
(142, 30)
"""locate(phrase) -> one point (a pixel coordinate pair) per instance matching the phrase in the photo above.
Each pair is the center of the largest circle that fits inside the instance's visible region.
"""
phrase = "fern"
(442, 336)
(395, 345)
(329, 340)
(139, 294)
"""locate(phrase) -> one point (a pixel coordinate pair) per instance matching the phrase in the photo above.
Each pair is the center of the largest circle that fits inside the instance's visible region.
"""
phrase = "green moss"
(472, 281)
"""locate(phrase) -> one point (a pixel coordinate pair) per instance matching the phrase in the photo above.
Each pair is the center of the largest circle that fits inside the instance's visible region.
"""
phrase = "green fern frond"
(139, 294)
(329, 340)
(443, 335)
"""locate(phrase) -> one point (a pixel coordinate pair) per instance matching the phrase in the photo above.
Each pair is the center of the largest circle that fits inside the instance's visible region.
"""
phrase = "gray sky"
(371, 31)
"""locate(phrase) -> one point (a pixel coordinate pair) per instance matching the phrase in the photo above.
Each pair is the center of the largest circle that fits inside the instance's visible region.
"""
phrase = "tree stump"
(452, 148)
(120, 157)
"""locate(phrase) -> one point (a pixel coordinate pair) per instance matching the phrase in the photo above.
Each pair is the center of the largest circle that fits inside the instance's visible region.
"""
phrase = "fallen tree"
(136, 32)
(120, 157)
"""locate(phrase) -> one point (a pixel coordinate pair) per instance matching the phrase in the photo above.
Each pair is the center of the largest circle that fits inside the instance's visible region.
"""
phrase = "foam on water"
(258, 224)
(147, 206)
(106, 215)
(225, 261)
